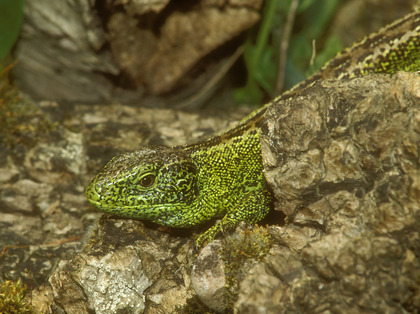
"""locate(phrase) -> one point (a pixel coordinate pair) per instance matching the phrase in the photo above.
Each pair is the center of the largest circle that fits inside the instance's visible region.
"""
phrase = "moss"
(242, 250)
(195, 306)
(13, 298)
(21, 122)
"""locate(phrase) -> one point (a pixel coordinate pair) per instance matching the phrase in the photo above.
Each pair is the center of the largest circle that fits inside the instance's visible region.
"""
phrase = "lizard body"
(184, 186)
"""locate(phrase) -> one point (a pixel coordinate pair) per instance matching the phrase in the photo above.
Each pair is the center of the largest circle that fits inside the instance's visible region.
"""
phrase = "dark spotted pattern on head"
(119, 187)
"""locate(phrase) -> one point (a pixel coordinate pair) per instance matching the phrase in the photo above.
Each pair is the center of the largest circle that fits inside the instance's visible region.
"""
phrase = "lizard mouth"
(102, 206)
(93, 196)
(95, 203)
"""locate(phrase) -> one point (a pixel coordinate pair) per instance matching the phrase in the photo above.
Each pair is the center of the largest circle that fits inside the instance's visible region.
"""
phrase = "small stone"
(208, 277)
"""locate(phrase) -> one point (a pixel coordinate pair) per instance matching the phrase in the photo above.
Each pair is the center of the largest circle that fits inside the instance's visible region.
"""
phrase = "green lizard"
(185, 186)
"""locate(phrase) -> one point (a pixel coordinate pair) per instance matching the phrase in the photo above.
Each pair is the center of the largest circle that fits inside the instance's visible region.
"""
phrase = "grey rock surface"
(342, 159)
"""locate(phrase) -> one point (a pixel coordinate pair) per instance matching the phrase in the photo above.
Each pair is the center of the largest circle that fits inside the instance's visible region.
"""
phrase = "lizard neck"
(244, 128)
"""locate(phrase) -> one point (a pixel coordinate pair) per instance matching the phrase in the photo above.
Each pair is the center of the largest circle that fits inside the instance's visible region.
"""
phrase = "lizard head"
(152, 183)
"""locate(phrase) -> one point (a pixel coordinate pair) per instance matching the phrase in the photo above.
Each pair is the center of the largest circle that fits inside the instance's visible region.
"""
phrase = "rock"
(125, 267)
(208, 277)
(123, 49)
(340, 160)
(72, 30)
(155, 56)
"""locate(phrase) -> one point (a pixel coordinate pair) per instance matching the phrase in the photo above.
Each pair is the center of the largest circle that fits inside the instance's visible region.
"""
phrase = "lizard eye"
(147, 181)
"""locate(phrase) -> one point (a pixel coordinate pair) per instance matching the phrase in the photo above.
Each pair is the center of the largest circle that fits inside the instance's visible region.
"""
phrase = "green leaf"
(261, 51)
(316, 17)
(266, 73)
(304, 4)
(11, 15)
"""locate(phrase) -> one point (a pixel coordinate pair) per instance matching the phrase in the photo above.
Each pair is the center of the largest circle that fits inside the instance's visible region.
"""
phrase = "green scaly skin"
(185, 186)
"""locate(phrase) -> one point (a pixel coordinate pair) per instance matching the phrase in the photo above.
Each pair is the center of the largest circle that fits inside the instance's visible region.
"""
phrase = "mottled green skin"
(222, 177)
